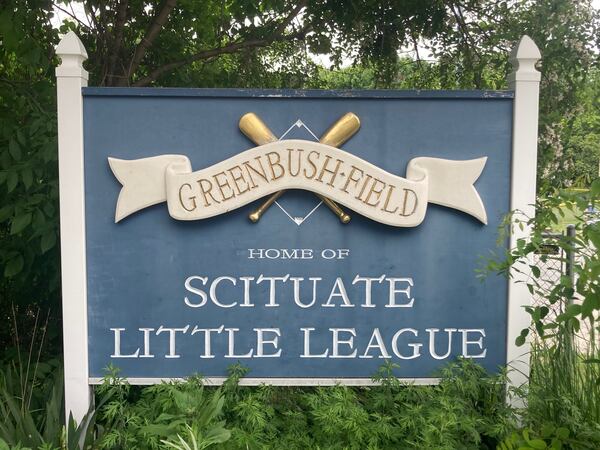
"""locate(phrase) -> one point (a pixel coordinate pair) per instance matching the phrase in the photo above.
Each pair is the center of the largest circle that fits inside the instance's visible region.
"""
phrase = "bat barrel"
(342, 130)
(255, 129)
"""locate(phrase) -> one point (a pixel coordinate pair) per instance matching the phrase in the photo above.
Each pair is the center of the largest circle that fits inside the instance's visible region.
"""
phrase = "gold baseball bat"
(342, 130)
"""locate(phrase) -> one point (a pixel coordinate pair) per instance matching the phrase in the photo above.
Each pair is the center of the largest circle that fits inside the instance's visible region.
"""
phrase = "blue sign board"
(298, 294)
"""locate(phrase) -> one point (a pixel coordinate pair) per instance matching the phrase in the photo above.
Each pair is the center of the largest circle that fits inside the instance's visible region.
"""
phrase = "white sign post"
(70, 78)
(525, 81)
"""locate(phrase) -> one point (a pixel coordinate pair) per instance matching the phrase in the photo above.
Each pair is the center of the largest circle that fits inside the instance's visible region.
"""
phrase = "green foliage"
(586, 267)
(145, 418)
(29, 261)
(21, 394)
(31, 411)
(564, 391)
(198, 441)
(563, 394)
(581, 135)
(471, 51)
(466, 410)
(549, 438)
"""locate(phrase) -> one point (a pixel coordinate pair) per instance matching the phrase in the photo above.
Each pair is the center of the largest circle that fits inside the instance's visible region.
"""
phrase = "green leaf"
(14, 266)
(39, 220)
(20, 222)
(537, 444)
(5, 212)
(595, 188)
(530, 288)
(48, 209)
(12, 180)
(594, 237)
(14, 149)
(21, 138)
(588, 306)
(562, 433)
(48, 240)
(547, 430)
(535, 270)
(573, 310)
(27, 177)
(520, 340)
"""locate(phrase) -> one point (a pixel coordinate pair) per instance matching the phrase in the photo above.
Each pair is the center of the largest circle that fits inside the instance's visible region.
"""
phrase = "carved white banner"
(298, 164)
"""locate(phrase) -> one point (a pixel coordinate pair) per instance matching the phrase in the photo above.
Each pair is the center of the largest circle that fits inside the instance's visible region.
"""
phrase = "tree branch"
(153, 30)
(117, 40)
(71, 15)
(233, 47)
(284, 24)
(206, 54)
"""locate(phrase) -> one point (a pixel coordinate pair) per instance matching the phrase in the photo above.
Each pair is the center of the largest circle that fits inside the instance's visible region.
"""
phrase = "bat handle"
(258, 212)
(339, 212)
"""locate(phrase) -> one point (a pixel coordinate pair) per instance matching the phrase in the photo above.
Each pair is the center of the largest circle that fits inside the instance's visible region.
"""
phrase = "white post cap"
(72, 54)
(523, 58)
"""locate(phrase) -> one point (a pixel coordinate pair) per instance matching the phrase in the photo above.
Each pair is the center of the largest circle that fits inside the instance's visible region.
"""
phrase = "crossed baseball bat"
(258, 132)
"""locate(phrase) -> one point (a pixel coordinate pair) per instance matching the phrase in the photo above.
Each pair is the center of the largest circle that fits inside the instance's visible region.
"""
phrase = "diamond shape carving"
(298, 206)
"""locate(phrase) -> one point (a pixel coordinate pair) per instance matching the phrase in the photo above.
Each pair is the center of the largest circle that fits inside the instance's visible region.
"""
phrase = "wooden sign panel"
(191, 285)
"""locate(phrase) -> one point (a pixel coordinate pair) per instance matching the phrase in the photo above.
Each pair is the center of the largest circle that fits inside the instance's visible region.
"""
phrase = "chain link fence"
(554, 262)
(550, 259)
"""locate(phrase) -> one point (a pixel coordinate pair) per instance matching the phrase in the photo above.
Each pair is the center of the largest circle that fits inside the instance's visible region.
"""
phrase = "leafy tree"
(141, 43)
(581, 135)
(28, 169)
(473, 53)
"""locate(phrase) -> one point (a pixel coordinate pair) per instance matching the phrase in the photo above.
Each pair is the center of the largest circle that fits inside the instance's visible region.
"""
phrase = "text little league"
(390, 293)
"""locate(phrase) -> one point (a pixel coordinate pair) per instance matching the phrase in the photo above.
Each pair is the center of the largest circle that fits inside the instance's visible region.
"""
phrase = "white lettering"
(117, 352)
(368, 285)
(432, 332)
(213, 291)
(393, 291)
(338, 290)
(306, 353)
(172, 332)
(272, 281)
(416, 347)
(261, 341)
(193, 290)
(337, 342)
(207, 342)
(231, 354)
(478, 342)
(296, 281)
(383, 353)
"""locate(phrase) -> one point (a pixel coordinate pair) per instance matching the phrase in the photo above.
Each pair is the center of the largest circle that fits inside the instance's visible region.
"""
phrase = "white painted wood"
(217, 381)
(70, 78)
(355, 183)
(525, 81)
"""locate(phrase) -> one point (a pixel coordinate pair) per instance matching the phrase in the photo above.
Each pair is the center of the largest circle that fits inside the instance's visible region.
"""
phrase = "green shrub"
(153, 416)
(466, 410)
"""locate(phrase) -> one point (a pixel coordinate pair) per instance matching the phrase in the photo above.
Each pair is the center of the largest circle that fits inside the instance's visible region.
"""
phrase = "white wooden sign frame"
(72, 77)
